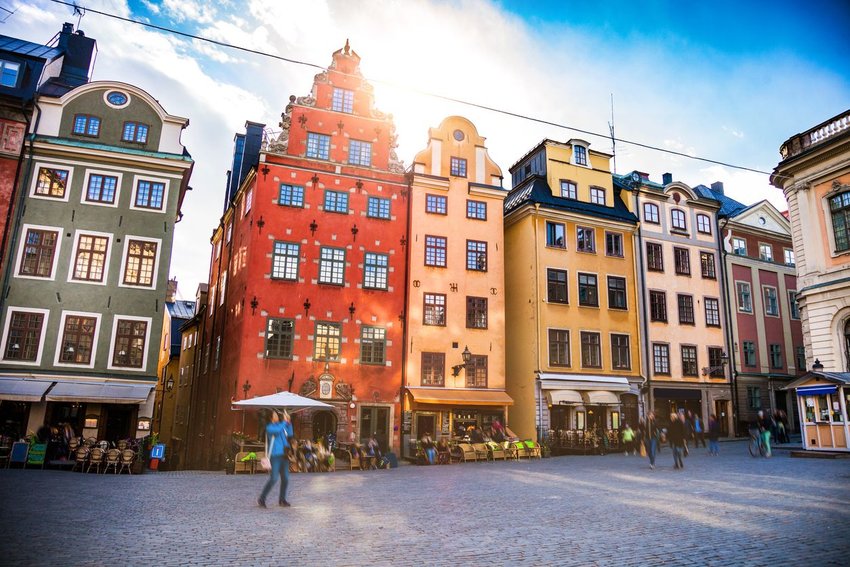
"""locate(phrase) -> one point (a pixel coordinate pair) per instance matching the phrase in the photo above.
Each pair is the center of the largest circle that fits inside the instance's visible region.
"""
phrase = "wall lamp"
(467, 356)
(724, 359)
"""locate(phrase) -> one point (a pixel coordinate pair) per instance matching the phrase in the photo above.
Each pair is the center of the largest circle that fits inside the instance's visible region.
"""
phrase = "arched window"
(847, 345)
(678, 219)
(839, 207)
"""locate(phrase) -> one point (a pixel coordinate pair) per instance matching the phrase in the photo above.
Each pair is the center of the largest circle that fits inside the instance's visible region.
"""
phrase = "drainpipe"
(730, 333)
(647, 379)
(404, 315)
(538, 383)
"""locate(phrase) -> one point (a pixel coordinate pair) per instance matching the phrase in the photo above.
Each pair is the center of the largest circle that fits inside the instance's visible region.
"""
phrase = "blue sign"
(158, 451)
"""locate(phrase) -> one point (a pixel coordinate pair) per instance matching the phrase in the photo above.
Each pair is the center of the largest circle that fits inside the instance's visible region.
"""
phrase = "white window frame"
(656, 213)
(85, 188)
(586, 152)
(146, 350)
(106, 262)
(764, 289)
(165, 192)
(769, 248)
(735, 241)
(127, 240)
(9, 310)
(34, 183)
(789, 253)
(703, 216)
(60, 233)
(574, 194)
(57, 355)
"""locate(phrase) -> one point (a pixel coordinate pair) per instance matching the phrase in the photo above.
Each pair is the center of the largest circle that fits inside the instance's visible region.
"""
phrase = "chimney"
(79, 52)
(667, 178)
(717, 187)
(171, 290)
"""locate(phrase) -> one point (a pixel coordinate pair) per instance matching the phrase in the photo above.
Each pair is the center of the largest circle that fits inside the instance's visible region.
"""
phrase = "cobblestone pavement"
(596, 510)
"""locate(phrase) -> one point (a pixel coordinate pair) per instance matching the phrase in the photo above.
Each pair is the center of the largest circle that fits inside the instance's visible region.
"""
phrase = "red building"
(307, 278)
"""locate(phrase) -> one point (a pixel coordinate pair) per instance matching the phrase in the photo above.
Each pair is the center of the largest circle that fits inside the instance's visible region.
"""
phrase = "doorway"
(721, 410)
(425, 423)
(118, 421)
(324, 424)
(375, 420)
(14, 417)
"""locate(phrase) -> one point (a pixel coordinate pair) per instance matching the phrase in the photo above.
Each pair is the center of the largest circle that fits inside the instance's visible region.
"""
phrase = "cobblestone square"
(594, 510)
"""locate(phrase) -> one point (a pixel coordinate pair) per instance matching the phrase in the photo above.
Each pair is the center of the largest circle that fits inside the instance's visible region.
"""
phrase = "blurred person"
(278, 434)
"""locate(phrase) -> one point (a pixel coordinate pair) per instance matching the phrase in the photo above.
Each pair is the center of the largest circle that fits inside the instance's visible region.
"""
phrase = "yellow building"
(455, 352)
(573, 346)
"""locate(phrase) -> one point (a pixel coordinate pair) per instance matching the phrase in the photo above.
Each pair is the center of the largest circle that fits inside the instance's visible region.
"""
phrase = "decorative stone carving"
(308, 388)
(280, 145)
(321, 77)
(343, 390)
(306, 100)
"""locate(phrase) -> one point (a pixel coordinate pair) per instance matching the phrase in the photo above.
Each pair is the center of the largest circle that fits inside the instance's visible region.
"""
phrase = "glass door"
(375, 421)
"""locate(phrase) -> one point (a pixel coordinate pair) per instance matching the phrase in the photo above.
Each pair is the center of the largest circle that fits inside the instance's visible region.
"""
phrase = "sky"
(727, 81)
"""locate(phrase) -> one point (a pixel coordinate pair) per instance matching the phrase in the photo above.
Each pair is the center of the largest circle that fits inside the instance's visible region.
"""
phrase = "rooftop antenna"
(613, 138)
(77, 11)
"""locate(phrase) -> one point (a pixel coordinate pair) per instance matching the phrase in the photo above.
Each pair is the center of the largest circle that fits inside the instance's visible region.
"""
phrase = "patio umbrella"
(282, 400)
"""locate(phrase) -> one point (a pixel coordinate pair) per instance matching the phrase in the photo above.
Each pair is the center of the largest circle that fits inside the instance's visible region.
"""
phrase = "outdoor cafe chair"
(495, 451)
(127, 457)
(467, 452)
(122, 445)
(90, 442)
(95, 459)
(113, 458)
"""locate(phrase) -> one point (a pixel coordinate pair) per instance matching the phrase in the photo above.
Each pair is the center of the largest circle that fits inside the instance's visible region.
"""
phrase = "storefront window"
(823, 408)
(836, 407)
(810, 409)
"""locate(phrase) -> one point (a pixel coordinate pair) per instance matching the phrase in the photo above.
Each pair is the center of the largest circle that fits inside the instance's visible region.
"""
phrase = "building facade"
(573, 341)
(456, 291)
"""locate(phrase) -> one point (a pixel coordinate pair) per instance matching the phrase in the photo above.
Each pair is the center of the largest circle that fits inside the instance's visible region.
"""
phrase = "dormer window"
(9, 74)
(580, 155)
(86, 125)
(135, 132)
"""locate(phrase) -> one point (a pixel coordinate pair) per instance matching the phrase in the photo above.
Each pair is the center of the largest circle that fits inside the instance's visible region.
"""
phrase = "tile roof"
(729, 207)
(28, 48)
(181, 309)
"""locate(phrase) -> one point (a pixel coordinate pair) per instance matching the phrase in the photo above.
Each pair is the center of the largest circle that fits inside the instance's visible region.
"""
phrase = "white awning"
(583, 382)
(22, 389)
(564, 397)
(100, 392)
(597, 397)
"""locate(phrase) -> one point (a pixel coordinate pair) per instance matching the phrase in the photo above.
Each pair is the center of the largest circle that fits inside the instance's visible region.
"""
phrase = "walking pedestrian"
(278, 433)
(713, 435)
(765, 424)
(676, 434)
(699, 432)
(651, 438)
(628, 439)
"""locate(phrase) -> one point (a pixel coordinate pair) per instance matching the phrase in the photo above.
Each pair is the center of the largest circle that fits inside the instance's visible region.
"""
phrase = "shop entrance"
(118, 422)
(721, 410)
(375, 421)
(324, 424)
(66, 412)
(426, 423)
(13, 418)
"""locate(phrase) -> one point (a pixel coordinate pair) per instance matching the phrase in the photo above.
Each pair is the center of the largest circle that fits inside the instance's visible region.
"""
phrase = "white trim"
(20, 255)
(145, 349)
(578, 289)
(144, 172)
(566, 283)
(50, 165)
(752, 301)
(110, 237)
(85, 189)
(127, 239)
(153, 179)
(601, 349)
(9, 310)
(61, 336)
(569, 349)
(611, 344)
(116, 106)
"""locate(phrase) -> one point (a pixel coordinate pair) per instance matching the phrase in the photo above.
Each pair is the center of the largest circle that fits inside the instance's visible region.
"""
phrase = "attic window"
(116, 99)
(580, 155)
(9, 74)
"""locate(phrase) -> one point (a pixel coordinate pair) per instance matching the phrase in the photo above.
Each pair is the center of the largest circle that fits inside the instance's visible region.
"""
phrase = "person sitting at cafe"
(429, 448)
(476, 436)
(443, 452)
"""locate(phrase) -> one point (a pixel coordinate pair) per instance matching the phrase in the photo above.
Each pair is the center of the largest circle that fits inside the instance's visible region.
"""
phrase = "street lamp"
(169, 384)
(467, 356)
(724, 359)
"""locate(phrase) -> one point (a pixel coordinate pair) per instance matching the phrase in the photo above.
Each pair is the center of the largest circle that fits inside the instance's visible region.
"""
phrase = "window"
(476, 312)
(568, 189)
(9, 74)
(140, 263)
(280, 334)
(559, 347)
(434, 312)
(706, 262)
(336, 202)
(149, 194)
(739, 246)
(135, 132)
(585, 239)
(129, 349)
(712, 312)
(703, 224)
(654, 257)
(77, 339)
(24, 336)
(476, 210)
(328, 341)
(318, 145)
(591, 350)
(90, 259)
(435, 204)
(229, 232)
(555, 235)
(765, 252)
(771, 306)
(458, 167)
(476, 255)
(677, 220)
(476, 371)
(614, 244)
(800, 357)
(101, 188)
(839, 208)
(715, 361)
(745, 297)
(378, 208)
(375, 269)
(588, 293)
(775, 356)
(435, 251)
(650, 213)
(689, 360)
(749, 353)
(291, 195)
(556, 281)
(86, 125)
(616, 293)
(51, 182)
(682, 258)
(620, 352)
(285, 257)
(789, 257)
(597, 196)
(580, 155)
(343, 100)
(686, 309)
(433, 369)
(373, 345)
(39, 249)
(332, 266)
(658, 306)
(661, 358)
(754, 397)
(360, 153)
(794, 308)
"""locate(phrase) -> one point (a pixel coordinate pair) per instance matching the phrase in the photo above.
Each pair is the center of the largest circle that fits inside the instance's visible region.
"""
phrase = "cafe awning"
(819, 390)
(455, 396)
(19, 389)
(100, 392)
(557, 397)
(582, 382)
(600, 397)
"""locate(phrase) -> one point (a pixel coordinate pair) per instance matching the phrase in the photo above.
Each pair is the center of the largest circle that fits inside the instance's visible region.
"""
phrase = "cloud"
(191, 10)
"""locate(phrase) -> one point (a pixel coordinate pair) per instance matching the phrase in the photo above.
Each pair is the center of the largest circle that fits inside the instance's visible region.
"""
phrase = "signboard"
(158, 451)
(19, 452)
(406, 419)
(445, 428)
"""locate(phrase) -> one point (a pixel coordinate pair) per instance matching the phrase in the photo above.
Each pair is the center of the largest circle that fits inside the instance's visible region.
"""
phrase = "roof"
(625, 182)
(535, 189)
(839, 378)
(181, 309)
(106, 147)
(729, 207)
(28, 48)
